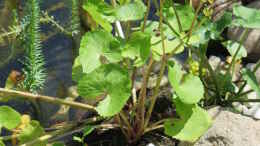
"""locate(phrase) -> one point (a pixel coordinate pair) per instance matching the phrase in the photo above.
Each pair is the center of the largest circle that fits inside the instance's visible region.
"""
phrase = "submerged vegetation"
(118, 40)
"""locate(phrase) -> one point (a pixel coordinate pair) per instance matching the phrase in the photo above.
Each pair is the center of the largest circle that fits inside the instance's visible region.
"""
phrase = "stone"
(229, 129)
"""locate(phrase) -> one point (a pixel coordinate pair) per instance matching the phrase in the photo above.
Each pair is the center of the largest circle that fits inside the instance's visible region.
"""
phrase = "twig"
(19, 94)
(47, 18)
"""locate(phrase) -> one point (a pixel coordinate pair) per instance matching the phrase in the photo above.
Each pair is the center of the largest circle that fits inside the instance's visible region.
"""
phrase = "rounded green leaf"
(93, 45)
(2, 143)
(130, 11)
(93, 9)
(232, 48)
(109, 81)
(138, 46)
(9, 118)
(193, 122)
(246, 17)
(185, 12)
(188, 87)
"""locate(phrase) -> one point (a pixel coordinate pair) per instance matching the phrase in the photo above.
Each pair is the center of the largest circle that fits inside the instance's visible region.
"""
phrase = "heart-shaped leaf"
(109, 81)
(9, 118)
(188, 87)
(246, 17)
(193, 122)
(130, 11)
(95, 45)
(232, 48)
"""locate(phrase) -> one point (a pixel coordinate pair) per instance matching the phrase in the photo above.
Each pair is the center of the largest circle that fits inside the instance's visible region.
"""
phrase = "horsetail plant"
(34, 70)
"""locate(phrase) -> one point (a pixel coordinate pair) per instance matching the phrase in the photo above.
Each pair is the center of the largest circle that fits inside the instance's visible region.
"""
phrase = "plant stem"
(141, 102)
(164, 62)
(177, 16)
(48, 137)
(162, 69)
(256, 66)
(121, 125)
(153, 128)
(54, 100)
(244, 100)
(141, 109)
(146, 15)
(125, 119)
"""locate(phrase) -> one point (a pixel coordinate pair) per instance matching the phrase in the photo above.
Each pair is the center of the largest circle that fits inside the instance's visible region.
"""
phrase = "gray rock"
(229, 129)
(252, 40)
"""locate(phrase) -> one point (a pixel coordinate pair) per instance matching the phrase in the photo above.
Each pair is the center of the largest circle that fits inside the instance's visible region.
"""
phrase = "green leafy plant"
(110, 56)
(106, 68)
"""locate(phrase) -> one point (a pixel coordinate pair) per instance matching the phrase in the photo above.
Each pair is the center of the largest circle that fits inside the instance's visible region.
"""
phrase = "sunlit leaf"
(87, 130)
(193, 122)
(188, 87)
(2, 143)
(130, 11)
(185, 13)
(111, 82)
(94, 45)
(92, 9)
(138, 46)
(232, 48)
(9, 118)
(246, 17)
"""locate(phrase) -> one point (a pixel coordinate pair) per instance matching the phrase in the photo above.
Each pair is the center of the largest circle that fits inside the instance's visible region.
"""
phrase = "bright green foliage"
(87, 130)
(138, 46)
(2, 143)
(188, 87)
(34, 64)
(95, 10)
(58, 144)
(77, 71)
(250, 77)
(171, 41)
(109, 81)
(193, 122)
(232, 48)
(9, 118)
(212, 30)
(31, 132)
(95, 45)
(170, 45)
(130, 11)
(185, 13)
(246, 17)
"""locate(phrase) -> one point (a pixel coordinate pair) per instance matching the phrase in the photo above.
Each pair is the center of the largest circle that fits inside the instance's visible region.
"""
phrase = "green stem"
(141, 109)
(146, 15)
(242, 39)
(177, 16)
(141, 106)
(162, 69)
